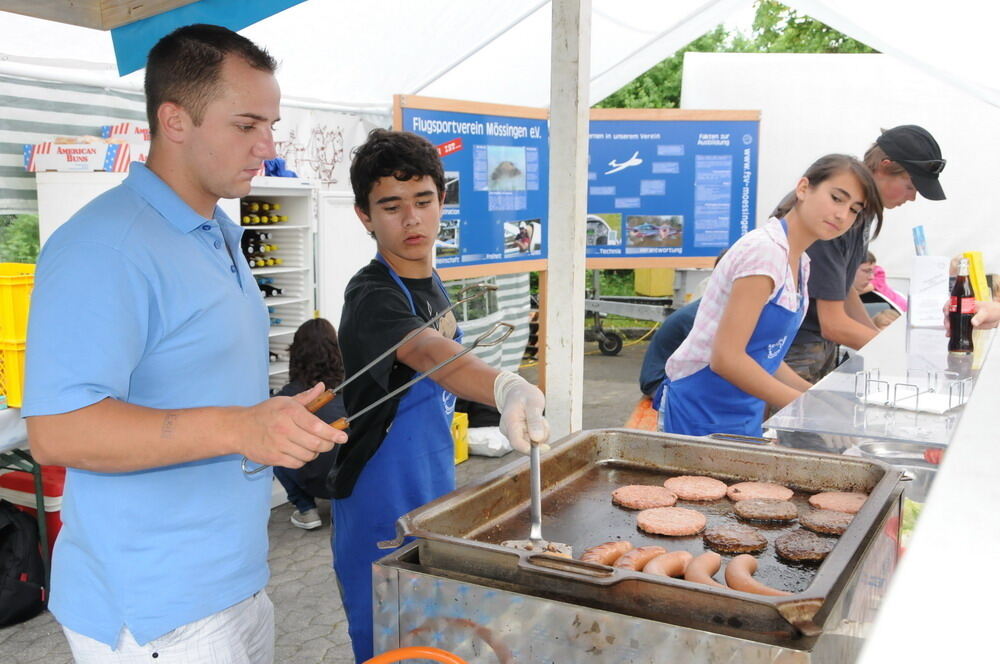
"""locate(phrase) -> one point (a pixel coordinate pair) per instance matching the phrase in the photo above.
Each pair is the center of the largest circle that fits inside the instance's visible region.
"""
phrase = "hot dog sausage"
(636, 559)
(739, 576)
(669, 564)
(607, 553)
(701, 569)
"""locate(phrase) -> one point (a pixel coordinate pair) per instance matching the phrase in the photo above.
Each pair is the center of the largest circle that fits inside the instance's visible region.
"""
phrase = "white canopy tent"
(356, 55)
(359, 54)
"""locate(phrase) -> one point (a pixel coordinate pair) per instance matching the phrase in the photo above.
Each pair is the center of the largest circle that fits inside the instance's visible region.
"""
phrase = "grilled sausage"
(739, 576)
(701, 569)
(637, 558)
(669, 564)
(607, 553)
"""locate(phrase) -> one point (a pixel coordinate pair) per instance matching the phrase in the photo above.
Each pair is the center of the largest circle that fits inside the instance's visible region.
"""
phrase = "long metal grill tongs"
(484, 340)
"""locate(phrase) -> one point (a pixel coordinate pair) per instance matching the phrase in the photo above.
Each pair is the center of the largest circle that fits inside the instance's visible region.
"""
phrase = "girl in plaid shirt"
(731, 364)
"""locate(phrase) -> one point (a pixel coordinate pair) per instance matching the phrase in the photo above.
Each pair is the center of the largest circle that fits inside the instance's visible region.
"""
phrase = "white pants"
(241, 634)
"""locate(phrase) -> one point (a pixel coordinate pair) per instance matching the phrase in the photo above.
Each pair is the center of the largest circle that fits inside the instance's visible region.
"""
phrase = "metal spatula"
(535, 543)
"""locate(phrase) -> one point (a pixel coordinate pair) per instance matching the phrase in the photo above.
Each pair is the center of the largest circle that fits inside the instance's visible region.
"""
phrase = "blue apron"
(705, 402)
(414, 465)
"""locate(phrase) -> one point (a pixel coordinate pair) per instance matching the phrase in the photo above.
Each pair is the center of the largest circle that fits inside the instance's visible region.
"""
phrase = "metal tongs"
(484, 340)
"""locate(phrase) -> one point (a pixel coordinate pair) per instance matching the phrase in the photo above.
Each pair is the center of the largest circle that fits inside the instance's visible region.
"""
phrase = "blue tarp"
(133, 41)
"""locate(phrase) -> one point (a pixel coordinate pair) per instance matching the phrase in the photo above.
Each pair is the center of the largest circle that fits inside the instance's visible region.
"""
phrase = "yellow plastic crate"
(460, 434)
(16, 282)
(12, 372)
(654, 282)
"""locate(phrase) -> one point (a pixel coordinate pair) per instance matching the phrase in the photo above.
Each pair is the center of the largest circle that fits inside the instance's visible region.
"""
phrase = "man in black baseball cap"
(914, 149)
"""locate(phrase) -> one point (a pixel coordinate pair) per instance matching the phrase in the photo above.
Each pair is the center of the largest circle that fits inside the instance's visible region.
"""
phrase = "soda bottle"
(960, 311)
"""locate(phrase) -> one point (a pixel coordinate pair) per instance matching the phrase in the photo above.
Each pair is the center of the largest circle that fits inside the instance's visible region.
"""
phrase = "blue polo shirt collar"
(165, 200)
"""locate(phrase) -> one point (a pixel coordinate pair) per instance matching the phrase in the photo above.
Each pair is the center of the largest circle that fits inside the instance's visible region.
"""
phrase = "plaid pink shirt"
(763, 251)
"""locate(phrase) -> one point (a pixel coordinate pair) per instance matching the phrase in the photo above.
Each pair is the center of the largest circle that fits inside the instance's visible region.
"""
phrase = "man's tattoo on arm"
(169, 424)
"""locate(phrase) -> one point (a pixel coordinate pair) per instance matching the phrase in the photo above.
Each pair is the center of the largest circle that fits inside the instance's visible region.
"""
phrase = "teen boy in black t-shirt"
(378, 315)
(401, 455)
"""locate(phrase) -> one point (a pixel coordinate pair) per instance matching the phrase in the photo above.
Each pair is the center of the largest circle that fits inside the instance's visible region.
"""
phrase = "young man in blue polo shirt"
(147, 377)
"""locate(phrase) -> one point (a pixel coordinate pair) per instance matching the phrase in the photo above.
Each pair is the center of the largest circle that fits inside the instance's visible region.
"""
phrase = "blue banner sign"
(496, 185)
(676, 188)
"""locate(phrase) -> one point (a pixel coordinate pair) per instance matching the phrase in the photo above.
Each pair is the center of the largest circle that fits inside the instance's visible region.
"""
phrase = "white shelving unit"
(60, 195)
(296, 274)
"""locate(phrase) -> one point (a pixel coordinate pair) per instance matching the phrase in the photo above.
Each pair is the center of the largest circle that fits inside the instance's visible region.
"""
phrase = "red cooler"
(18, 487)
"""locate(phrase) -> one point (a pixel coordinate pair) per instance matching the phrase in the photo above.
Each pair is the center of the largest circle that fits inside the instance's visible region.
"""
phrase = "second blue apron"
(705, 402)
(414, 465)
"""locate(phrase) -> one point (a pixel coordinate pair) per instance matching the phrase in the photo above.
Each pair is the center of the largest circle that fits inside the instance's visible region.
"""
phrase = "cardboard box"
(126, 130)
(112, 157)
(137, 137)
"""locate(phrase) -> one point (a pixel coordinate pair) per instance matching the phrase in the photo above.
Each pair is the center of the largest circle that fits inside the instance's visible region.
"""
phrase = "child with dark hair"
(401, 454)
(313, 357)
(881, 302)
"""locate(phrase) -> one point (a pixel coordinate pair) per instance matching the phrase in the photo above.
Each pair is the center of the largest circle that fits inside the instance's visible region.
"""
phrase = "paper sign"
(928, 291)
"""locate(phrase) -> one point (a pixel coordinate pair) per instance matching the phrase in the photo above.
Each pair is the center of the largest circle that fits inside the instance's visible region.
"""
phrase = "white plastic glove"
(521, 405)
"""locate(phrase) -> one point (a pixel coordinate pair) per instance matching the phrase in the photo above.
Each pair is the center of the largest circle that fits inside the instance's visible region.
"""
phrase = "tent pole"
(568, 137)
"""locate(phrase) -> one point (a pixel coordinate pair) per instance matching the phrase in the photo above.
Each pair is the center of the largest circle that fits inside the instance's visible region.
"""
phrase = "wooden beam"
(564, 283)
(96, 14)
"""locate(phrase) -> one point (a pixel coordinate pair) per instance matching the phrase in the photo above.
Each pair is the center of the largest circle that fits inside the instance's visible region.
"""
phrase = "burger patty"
(766, 510)
(826, 522)
(642, 497)
(802, 546)
(672, 521)
(735, 538)
(839, 501)
(696, 487)
(764, 490)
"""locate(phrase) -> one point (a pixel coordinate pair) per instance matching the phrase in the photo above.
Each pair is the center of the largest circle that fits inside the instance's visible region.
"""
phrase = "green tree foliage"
(660, 86)
(18, 238)
(776, 29)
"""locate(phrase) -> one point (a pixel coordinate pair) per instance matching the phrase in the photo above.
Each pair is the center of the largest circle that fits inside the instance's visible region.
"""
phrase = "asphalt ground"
(310, 626)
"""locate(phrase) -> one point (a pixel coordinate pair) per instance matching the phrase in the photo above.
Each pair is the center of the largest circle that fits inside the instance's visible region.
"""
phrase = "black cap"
(914, 149)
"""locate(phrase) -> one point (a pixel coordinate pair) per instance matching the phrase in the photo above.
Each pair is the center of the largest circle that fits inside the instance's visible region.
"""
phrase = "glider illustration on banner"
(634, 160)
